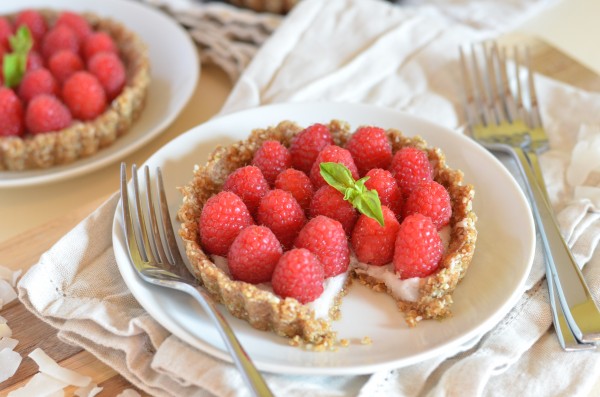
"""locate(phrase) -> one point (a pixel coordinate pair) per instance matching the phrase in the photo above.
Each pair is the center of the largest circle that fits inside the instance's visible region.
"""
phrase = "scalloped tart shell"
(83, 139)
(287, 317)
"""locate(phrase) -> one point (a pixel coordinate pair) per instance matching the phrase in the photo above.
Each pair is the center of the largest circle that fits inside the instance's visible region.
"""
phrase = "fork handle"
(581, 312)
(534, 161)
(242, 361)
(563, 332)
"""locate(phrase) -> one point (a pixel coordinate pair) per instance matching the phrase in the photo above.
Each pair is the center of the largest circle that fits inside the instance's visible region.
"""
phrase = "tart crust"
(287, 317)
(83, 139)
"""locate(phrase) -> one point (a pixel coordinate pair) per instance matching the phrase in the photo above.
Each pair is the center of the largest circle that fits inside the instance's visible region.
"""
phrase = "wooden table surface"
(23, 250)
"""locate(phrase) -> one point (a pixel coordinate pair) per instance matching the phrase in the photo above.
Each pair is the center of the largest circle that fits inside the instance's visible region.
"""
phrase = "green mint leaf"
(355, 192)
(370, 205)
(360, 184)
(21, 41)
(11, 68)
(337, 176)
(352, 195)
(15, 63)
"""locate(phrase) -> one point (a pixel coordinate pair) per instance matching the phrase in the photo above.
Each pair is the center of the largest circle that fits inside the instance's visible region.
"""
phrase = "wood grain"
(22, 252)
(551, 62)
(33, 333)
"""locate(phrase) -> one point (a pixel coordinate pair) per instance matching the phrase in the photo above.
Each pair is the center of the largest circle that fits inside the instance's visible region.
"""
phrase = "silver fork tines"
(156, 258)
(505, 119)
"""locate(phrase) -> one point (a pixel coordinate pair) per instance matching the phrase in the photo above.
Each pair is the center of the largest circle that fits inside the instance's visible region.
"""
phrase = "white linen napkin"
(404, 58)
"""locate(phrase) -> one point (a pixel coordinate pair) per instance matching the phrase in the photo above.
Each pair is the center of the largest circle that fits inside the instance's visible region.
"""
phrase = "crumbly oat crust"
(287, 317)
(435, 292)
(82, 139)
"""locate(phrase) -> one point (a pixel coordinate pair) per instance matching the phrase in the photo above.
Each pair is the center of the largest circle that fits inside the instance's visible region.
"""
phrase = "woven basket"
(274, 6)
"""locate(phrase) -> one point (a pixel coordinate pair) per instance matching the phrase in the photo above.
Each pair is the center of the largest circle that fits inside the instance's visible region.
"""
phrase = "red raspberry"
(98, 42)
(370, 148)
(374, 244)
(329, 202)
(223, 217)
(63, 64)
(410, 166)
(253, 255)
(297, 183)
(272, 158)
(84, 96)
(419, 247)
(61, 37)
(34, 61)
(249, 184)
(110, 71)
(11, 113)
(46, 113)
(37, 82)
(334, 154)
(432, 200)
(280, 212)
(305, 146)
(6, 30)
(325, 237)
(77, 23)
(299, 275)
(387, 188)
(35, 22)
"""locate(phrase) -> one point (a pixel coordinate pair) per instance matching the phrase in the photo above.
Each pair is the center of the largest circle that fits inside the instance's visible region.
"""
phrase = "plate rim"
(72, 170)
(456, 343)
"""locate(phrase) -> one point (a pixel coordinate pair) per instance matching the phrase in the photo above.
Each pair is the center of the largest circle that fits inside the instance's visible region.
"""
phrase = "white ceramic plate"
(174, 72)
(491, 287)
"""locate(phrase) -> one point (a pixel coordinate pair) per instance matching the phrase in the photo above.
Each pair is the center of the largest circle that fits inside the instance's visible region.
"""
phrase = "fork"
(499, 121)
(156, 258)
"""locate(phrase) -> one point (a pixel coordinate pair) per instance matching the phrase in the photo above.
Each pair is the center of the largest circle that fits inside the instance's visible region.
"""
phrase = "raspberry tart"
(76, 82)
(337, 205)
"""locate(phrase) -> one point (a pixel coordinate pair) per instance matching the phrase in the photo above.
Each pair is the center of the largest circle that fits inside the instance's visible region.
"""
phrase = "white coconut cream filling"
(331, 289)
(406, 290)
(321, 306)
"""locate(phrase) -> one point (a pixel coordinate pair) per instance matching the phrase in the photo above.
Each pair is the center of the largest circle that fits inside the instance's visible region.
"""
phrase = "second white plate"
(492, 286)
(174, 68)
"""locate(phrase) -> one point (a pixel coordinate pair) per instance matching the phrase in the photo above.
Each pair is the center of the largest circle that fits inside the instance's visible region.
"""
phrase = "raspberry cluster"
(72, 73)
(278, 220)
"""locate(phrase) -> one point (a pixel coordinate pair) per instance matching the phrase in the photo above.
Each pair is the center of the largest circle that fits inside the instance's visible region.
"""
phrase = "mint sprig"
(365, 201)
(15, 63)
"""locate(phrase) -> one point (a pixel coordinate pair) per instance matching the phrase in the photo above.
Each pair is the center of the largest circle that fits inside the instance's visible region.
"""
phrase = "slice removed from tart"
(418, 298)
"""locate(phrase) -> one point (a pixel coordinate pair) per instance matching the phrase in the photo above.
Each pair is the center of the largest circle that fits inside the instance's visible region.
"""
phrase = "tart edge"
(287, 317)
(83, 139)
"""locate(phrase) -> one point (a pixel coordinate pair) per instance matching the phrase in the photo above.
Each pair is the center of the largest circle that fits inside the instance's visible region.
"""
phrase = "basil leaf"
(11, 68)
(15, 63)
(337, 176)
(371, 206)
(355, 192)
(21, 41)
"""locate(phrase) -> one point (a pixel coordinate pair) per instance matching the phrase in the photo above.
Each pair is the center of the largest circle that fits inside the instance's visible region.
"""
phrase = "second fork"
(495, 121)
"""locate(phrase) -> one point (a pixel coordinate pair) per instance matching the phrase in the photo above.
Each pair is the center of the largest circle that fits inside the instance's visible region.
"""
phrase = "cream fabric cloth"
(404, 58)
